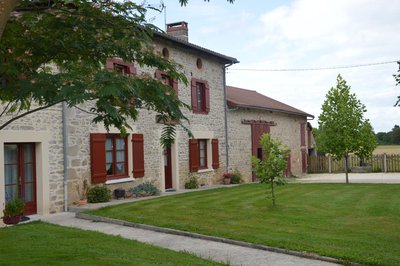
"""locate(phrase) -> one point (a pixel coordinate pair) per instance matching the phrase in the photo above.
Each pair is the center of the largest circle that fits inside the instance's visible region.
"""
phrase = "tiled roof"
(224, 58)
(238, 97)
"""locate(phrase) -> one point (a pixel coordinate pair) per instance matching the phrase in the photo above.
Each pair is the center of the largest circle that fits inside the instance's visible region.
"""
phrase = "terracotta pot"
(12, 219)
(227, 180)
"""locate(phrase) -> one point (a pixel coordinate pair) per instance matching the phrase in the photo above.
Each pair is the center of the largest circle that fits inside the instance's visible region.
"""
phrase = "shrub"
(98, 194)
(14, 207)
(236, 177)
(145, 189)
(192, 183)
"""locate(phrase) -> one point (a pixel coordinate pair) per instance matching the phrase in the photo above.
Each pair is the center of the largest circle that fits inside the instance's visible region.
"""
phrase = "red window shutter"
(194, 95)
(215, 153)
(138, 155)
(98, 157)
(193, 155)
(175, 86)
(207, 96)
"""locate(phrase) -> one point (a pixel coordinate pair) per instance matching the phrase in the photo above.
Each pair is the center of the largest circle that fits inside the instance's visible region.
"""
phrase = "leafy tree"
(270, 168)
(78, 36)
(342, 126)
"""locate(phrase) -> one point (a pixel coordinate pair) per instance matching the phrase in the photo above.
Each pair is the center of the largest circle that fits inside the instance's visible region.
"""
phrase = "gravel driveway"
(376, 178)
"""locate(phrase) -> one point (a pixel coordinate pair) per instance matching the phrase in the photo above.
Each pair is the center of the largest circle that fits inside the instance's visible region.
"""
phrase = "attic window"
(199, 63)
(165, 53)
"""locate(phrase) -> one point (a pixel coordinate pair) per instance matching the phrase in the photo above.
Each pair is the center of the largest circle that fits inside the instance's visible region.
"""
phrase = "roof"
(224, 58)
(237, 97)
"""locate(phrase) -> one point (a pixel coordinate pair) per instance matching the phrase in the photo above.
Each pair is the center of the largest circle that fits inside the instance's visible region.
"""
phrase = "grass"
(354, 222)
(388, 149)
(39, 243)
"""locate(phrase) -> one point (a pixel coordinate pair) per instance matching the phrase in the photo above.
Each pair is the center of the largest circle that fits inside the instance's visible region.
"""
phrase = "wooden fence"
(377, 163)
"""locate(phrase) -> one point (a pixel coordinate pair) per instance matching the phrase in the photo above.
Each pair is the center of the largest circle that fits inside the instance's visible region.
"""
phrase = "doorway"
(257, 129)
(167, 168)
(20, 174)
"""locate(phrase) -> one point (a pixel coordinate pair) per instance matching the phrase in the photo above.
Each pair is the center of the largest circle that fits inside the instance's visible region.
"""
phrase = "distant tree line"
(389, 138)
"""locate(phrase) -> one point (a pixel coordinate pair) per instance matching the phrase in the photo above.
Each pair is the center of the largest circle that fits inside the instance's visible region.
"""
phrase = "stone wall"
(287, 129)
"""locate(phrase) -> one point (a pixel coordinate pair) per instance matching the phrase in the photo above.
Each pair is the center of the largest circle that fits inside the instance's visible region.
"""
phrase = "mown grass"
(40, 243)
(354, 222)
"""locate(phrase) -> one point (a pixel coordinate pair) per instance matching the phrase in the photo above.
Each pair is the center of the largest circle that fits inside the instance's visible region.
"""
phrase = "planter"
(119, 193)
(227, 180)
(12, 219)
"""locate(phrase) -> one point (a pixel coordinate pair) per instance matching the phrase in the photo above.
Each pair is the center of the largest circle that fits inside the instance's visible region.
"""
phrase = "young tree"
(78, 36)
(342, 126)
(270, 168)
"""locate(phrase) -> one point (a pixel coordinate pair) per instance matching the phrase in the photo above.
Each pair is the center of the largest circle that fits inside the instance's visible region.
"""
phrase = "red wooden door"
(20, 174)
(256, 132)
(167, 168)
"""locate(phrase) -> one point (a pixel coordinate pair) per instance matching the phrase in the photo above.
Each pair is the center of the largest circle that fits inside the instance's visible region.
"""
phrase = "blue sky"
(302, 34)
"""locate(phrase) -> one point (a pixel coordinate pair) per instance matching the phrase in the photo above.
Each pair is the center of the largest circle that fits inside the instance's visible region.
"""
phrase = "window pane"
(202, 144)
(120, 143)
(28, 171)
(28, 192)
(28, 156)
(11, 192)
(11, 174)
(203, 161)
(120, 156)
(10, 154)
(110, 170)
(120, 168)
(109, 157)
(109, 144)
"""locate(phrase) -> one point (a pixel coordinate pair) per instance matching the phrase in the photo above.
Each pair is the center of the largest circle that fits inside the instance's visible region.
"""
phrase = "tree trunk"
(6, 7)
(273, 192)
(346, 160)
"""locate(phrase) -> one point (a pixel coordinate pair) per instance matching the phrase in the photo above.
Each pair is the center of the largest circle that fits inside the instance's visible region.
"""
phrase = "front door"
(167, 168)
(20, 174)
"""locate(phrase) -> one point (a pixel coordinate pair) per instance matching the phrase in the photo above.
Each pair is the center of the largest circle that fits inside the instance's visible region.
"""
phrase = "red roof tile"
(237, 97)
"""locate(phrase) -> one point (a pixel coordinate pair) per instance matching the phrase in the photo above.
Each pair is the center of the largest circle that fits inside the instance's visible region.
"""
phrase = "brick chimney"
(179, 30)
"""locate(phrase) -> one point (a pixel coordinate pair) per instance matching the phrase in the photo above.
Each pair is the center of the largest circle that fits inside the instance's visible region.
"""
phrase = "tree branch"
(26, 113)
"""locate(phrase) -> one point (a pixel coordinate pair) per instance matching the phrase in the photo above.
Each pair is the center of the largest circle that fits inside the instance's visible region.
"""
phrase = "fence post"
(384, 163)
(329, 164)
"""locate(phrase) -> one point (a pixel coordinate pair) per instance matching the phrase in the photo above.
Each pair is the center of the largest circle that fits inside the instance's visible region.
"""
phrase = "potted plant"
(13, 211)
(227, 178)
(119, 193)
(82, 193)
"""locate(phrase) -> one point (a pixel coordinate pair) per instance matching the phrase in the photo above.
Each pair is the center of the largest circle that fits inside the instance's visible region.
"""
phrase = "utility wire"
(310, 69)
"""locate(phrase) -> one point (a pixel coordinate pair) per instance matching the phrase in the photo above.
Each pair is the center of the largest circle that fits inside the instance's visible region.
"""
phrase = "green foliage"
(269, 169)
(55, 51)
(14, 207)
(145, 189)
(397, 78)
(192, 183)
(389, 138)
(98, 194)
(342, 126)
(185, 2)
(236, 177)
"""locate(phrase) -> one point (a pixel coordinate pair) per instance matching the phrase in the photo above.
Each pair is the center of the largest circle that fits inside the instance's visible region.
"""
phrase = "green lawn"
(355, 222)
(40, 243)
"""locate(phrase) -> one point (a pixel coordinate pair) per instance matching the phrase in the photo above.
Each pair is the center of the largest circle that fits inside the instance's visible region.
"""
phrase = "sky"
(302, 34)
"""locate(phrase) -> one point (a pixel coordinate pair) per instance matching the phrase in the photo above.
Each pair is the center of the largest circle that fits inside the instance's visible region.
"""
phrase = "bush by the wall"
(236, 177)
(97, 194)
(145, 189)
(192, 183)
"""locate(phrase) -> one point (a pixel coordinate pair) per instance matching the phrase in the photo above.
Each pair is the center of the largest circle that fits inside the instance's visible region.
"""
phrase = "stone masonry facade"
(287, 129)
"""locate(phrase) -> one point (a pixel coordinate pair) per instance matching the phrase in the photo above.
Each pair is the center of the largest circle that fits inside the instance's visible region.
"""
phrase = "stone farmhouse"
(250, 114)
(46, 156)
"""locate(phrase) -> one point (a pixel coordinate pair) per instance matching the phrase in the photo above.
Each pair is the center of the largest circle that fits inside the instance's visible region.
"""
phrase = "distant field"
(388, 149)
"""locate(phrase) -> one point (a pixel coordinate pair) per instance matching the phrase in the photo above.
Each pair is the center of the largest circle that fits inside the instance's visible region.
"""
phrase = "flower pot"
(12, 219)
(227, 180)
(119, 193)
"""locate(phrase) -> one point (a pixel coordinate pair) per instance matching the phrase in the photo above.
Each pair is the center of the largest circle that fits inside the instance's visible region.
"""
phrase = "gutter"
(65, 153)
(226, 115)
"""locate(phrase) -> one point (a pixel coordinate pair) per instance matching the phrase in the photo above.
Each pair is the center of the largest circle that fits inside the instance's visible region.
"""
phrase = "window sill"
(205, 170)
(119, 180)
